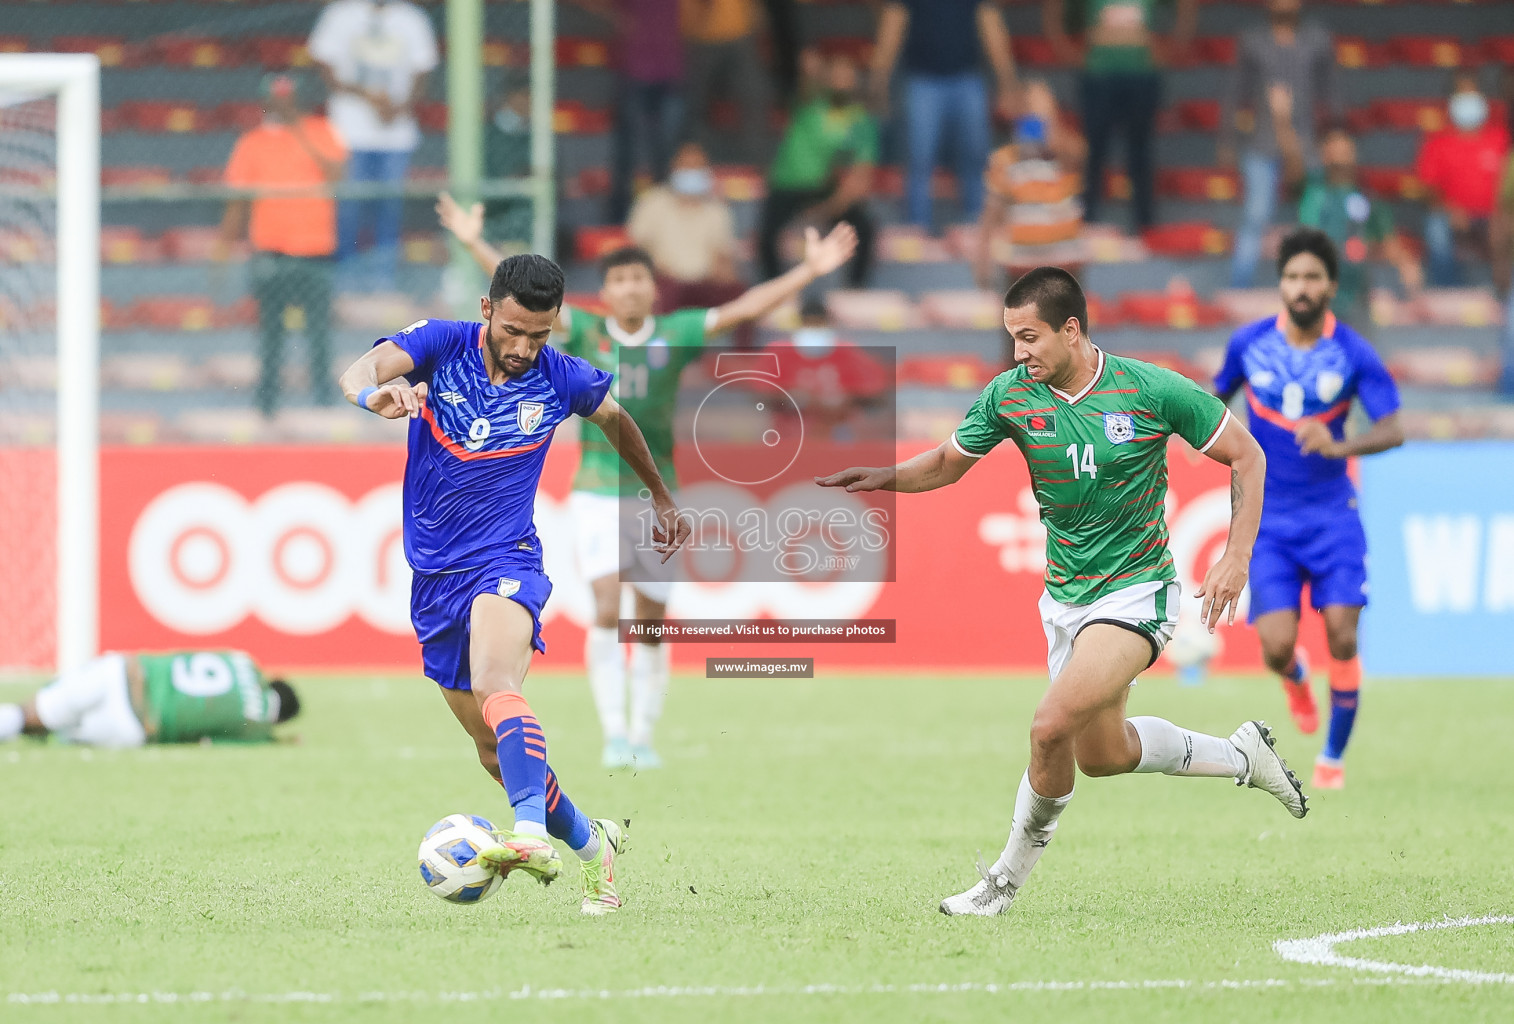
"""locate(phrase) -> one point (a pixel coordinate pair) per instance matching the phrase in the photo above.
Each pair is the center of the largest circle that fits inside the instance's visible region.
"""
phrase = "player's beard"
(509, 364)
(1306, 314)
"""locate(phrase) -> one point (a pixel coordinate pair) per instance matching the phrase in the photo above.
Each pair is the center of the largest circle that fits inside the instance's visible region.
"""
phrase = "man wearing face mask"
(824, 168)
(831, 379)
(1459, 167)
(690, 233)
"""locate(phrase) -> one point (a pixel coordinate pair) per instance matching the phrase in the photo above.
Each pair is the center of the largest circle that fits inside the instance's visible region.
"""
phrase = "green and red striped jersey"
(1098, 465)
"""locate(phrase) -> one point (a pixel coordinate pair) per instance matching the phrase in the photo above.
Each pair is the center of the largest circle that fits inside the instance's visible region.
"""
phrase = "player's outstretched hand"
(1220, 590)
(467, 225)
(859, 478)
(823, 255)
(671, 530)
(398, 400)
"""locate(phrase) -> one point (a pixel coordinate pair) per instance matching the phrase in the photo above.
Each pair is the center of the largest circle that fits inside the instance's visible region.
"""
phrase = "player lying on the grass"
(1093, 429)
(656, 349)
(483, 400)
(1300, 370)
(126, 700)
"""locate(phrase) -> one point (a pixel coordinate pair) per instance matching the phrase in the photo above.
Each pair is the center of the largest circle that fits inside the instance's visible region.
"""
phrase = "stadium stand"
(175, 100)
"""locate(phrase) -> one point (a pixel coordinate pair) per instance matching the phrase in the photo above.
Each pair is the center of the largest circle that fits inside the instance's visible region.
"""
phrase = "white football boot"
(1265, 770)
(991, 897)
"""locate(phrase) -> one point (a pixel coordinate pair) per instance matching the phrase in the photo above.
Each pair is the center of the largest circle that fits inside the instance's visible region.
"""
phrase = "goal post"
(74, 80)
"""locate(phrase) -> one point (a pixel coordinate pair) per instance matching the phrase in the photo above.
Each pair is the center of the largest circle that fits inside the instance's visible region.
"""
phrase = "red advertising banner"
(294, 554)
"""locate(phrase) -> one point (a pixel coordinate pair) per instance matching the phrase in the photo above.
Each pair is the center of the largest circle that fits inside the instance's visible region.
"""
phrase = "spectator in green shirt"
(824, 167)
(1332, 200)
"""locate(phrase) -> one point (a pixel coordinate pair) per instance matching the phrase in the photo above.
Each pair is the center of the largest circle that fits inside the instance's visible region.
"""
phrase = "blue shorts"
(1325, 546)
(441, 609)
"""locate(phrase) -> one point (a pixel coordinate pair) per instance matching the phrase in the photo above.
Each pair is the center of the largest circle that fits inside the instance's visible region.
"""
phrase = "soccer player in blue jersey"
(483, 400)
(1300, 371)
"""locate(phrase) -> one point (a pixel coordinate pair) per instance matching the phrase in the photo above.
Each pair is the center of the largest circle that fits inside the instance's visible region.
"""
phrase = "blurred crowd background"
(1157, 147)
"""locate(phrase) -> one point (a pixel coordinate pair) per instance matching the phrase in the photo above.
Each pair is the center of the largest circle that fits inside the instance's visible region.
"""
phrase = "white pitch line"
(692, 991)
(1320, 951)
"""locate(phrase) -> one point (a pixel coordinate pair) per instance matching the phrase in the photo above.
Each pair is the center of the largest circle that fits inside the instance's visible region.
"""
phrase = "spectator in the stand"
(1501, 241)
(507, 154)
(824, 168)
(1283, 52)
(832, 381)
(1033, 213)
(724, 58)
(1332, 200)
(648, 58)
(688, 230)
(1459, 167)
(375, 56)
(293, 237)
(940, 44)
(1121, 86)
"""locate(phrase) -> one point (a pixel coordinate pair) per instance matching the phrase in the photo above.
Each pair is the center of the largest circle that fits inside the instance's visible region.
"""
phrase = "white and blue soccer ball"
(449, 859)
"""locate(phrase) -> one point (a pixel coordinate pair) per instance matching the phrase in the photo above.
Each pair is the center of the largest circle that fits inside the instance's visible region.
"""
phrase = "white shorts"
(92, 704)
(1150, 609)
(608, 544)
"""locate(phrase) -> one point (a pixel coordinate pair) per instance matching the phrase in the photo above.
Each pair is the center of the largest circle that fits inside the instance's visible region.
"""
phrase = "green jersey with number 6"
(1098, 466)
(647, 366)
(193, 695)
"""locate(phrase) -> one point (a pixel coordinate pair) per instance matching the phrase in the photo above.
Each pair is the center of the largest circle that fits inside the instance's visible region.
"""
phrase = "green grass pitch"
(786, 866)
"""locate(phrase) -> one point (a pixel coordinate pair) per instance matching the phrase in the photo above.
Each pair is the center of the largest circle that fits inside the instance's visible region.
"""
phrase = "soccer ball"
(1192, 646)
(449, 859)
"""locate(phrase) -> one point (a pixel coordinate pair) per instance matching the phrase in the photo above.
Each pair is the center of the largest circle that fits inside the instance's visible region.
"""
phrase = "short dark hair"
(626, 256)
(1310, 240)
(289, 704)
(1054, 292)
(533, 281)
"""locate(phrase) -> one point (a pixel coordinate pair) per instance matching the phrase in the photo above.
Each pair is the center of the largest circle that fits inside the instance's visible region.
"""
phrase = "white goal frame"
(75, 79)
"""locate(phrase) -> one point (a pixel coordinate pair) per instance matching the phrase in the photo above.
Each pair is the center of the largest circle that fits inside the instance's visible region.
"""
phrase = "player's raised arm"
(927, 471)
(376, 382)
(821, 256)
(467, 226)
(1236, 448)
(629, 443)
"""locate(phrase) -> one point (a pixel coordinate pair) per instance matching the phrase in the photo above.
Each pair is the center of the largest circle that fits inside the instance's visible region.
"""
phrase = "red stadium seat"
(197, 52)
(113, 51)
(1247, 305)
(1499, 50)
(874, 309)
(1391, 182)
(1430, 51)
(859, 48)
(237, 116)
(134, 176)
(905, 243)
(133, 428)
(1189, 238)
(241, 313)
(14, 44)
(1169, 309)
(965, 309)
(961, 372)
(504, 53)
(1408, 115)
(146, 371)
(738, 183)
(574, 52)
(122, 245)
(1356, 52)
(1199, 115)
(175, 312)
(1215, 49)
(591, 243)
(431, 115)
(156, 116)
(279, 53)
(1034, 52)
(1198, 183)
(1106, 315)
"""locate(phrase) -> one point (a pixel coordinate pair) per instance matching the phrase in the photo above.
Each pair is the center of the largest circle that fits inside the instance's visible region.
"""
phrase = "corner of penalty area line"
(1321, 951)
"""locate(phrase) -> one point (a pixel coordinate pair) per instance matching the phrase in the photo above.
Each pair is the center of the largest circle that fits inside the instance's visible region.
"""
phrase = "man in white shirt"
(375, 56)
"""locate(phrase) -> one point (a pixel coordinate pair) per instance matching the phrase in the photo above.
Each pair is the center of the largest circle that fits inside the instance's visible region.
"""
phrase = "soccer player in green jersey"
(1093, 429)
(126, 700)
(647, 354)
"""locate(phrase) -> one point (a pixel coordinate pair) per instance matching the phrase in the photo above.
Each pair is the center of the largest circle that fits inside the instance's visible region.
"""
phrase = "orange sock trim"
(506, 704)
(1346, 675)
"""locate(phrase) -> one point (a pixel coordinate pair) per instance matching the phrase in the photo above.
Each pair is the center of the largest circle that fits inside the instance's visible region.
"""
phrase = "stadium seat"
(1207, 361)
(591, 243)
(1453, 366)
(124, 245)
(174, 312)
(1034, 52)
(14, 44)
(1215, 49)
(178, 51)
(962, 372)
(112, 51)
(1460, 307)
(872, 309)
(223, 426)
(1247, 305)
(889, 181)
(1101, 314)
(967, 309)
(1356, 52)
(279, 53)
(139, 427)
(571, 117)
(31, 373)
(146, 371)
(1408, 115)
(502, 53)
(241, 313)
(1391, 182)
(738, 183)
(192, 244)
(134, 176)
(577, 52)
(1176, 363)
(425, 248)
(1499, 50)
(1172, 308)
(905, 243)
(334, 425)
(589, 302)
(859, 48)
(1198, 183)
(1199, 115)
(1430, 51)
(234, 371)
(236, 116)
(158, 116)
(1187, 238)
(431, 115)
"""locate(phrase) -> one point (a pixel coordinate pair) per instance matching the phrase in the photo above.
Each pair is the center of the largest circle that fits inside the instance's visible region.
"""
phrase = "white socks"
(11, 721)
(607, 679)
(1035, 821)
(590, 850)
(1173, 750)
(649, 688)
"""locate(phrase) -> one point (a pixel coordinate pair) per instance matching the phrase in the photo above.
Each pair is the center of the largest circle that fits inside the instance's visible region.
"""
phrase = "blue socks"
(522, 759)
(1342, 718)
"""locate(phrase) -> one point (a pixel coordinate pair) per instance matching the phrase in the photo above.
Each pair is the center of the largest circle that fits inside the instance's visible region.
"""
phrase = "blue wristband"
(363, 396)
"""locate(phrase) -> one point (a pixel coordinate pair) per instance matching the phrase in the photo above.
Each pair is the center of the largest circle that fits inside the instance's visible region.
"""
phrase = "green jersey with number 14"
(1098, 466)
(646, 366)
(194, 695)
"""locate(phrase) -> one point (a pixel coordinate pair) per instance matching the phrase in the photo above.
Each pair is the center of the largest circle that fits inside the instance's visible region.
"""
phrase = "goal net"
(49, 325)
